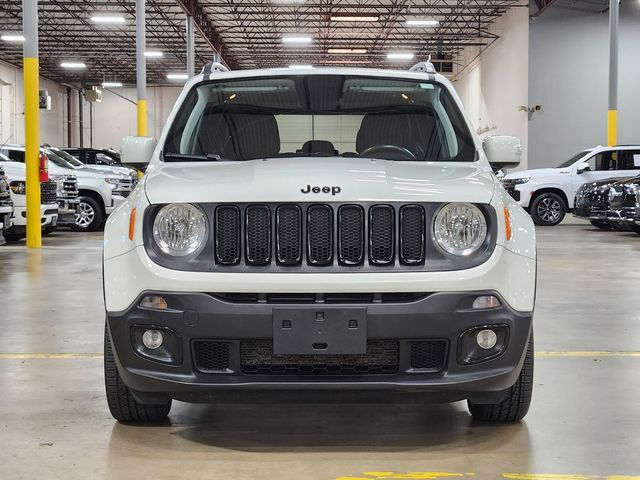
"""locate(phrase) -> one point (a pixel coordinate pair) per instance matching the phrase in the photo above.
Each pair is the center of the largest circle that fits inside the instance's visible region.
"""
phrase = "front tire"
(548, 209)
(48, 230)
(601, 225)
(516, 404)
(122, 404)
(14, 236)
(89, 216)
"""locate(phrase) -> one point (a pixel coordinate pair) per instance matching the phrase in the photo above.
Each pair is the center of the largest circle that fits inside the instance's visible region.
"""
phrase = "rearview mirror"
(503, 151)
(582, 167)
(137, 150)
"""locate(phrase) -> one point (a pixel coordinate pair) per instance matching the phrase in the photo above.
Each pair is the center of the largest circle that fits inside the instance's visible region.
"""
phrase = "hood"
(538, 172)
(606, 182)
(113, 170)
(14, 171)
(342, 179)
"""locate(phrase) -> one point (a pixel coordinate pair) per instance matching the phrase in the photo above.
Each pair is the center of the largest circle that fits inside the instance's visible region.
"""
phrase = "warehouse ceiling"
(248, 33)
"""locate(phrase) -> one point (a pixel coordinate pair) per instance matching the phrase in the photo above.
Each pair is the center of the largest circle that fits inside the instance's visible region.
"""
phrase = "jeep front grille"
(314, 235)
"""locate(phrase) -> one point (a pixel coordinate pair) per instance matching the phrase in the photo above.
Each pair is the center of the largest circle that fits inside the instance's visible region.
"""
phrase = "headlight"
(19, 188)
(517, 181)
(460, 228)
(112, 180)
(180, 229)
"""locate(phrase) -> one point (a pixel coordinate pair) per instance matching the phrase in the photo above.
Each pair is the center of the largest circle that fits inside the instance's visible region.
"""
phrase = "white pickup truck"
(319, 229)
(6, 205)
(100, 193)
(549, 193)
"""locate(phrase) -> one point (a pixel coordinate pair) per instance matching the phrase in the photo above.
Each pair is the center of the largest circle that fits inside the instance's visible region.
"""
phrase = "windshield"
(65, 156)
(573, 159)
(319, 115)
(59, 161)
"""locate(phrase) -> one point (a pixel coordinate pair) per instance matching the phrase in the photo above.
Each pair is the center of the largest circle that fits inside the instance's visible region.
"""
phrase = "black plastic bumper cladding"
(228, 327)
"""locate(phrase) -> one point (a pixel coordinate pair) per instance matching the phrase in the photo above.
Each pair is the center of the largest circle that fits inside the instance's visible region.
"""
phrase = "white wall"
(12, 108)
(113, 118)
(493, 83)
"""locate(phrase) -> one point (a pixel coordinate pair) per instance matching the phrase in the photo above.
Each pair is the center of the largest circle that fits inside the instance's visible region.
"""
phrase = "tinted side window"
(102, 159)
(629, 160)
(16, 155)
(607, 160)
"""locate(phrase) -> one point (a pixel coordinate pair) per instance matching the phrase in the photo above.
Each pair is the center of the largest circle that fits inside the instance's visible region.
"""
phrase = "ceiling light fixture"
(177, 76)
(153, 53)
(105, 19)
(111, 84)
(418, 22)
(76, 65)
(297, 40)
(12, 37)
(400, 56)
(347, 51)
(355, 18)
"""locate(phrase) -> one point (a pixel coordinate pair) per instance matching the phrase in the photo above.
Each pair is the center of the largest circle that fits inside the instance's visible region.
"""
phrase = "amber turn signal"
(507, 223)
(132, 223)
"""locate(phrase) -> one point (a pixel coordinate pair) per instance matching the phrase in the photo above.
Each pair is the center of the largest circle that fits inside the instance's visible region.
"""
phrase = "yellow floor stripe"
(63, 356)
(510, 476)
(597, 353)
(72, 356)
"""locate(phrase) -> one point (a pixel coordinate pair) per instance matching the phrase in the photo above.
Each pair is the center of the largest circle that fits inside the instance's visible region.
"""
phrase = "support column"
(81, 117)
(69, 132)
(612, 114)
(31, 121)
(191, 52)
(141, 68)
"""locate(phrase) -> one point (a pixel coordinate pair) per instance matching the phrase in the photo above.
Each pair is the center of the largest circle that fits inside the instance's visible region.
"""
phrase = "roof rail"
(426, 67)
(209, 68)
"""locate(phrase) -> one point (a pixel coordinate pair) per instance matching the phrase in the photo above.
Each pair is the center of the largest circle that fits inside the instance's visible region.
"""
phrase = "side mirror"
(137, 150)
(503, 151)
(582, 167)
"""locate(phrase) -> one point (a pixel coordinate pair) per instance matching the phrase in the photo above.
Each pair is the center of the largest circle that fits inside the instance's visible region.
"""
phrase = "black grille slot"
(412, 234)
(351, 234)
(227, 231)
(289, 235)
(257, 358)
(258, 231)
(381, 234)
(210, 356)
(48, 192)
(428, 355)
(320, 235)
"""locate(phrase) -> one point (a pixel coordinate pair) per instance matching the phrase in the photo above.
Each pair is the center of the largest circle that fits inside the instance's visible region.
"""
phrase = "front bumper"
(443, 316)
(622, 214)
(48, 215)
(67, 211)
(5, 216)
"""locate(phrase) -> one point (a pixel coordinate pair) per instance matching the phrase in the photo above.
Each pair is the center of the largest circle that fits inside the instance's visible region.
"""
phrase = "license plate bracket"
(319, 331)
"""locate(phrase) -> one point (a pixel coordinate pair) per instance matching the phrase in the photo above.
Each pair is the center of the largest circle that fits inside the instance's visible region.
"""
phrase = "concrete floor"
(584, 422)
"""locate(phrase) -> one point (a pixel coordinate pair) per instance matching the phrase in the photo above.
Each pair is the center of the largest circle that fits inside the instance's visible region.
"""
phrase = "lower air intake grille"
(211, 356)
(428, 355)
(257, 358)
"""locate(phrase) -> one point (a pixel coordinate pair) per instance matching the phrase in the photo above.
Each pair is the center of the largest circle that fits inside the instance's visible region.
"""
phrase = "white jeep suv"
(549, 193)
(319, 229)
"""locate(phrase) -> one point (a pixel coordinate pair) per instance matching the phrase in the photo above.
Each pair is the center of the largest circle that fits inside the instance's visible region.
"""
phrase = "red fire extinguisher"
(44, 169)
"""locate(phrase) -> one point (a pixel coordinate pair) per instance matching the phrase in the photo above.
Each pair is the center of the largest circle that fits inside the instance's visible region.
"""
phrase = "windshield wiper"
(185, 157)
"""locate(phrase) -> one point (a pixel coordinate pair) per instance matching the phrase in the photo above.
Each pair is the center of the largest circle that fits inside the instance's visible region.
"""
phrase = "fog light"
(152, 339)
(485, 301)
(154, 302)
(487, 339)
